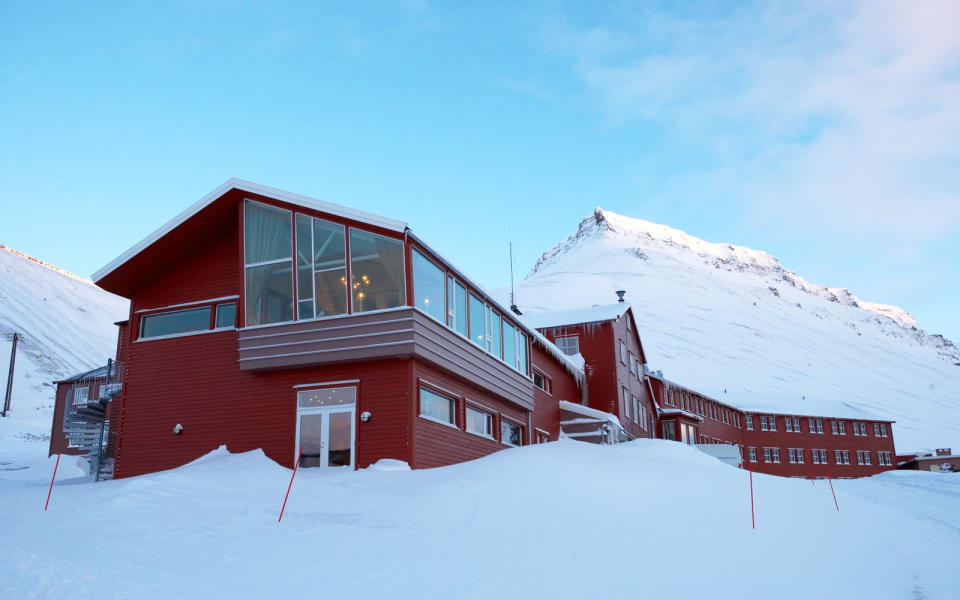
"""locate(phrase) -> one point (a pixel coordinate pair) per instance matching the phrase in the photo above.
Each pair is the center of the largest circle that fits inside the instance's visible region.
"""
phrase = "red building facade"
(261, 319)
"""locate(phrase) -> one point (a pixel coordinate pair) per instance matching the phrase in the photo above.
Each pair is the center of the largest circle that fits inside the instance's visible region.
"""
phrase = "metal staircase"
(85, 420)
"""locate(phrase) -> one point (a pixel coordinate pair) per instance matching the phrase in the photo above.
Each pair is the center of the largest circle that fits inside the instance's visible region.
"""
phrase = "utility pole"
(13, 357)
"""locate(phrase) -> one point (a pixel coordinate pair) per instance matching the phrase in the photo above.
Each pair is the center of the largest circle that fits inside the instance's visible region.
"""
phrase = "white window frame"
(563, 341)
(489, 421)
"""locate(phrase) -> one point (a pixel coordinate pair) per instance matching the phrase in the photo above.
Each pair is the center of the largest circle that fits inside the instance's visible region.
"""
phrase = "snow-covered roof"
(672, 412)
(589, 412)
(253, 188)
(595, 313)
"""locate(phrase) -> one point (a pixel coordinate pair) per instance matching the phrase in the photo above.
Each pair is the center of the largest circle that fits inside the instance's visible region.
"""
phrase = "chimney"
(620, 294)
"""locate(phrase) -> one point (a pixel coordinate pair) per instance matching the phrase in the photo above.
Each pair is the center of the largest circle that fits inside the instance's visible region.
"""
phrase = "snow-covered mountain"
(736, 324)
(65, 325)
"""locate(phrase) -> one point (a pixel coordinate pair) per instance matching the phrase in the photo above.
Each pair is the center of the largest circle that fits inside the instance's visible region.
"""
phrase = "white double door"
(327, 436)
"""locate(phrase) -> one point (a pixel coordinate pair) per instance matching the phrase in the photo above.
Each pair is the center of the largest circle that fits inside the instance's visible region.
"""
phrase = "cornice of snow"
(43, 264)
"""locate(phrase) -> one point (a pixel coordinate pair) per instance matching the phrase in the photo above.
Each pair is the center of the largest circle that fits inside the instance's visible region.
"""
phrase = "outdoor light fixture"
(365, 416)
(177, 429)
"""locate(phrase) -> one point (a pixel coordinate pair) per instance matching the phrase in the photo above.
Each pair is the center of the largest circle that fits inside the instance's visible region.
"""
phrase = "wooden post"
(13, 357)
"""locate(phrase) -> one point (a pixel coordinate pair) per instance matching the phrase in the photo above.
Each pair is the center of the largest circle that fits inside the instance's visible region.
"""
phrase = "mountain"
(65, 325)
(734, 323)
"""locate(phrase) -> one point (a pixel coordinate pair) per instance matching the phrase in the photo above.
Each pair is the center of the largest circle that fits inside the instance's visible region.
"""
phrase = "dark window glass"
(477, 331)
(226, 315)
(266, 233)
(269, 293)
(427, 286)
(376, 271)
(179, 321)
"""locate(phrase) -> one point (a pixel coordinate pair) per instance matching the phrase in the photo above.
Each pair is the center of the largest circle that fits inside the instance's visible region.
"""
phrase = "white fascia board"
(253, 188)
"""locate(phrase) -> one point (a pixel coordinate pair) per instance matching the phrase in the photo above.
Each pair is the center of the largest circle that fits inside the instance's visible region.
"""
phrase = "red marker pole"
(831, 487)
(753, 519)
(297, 464)
(50, 491)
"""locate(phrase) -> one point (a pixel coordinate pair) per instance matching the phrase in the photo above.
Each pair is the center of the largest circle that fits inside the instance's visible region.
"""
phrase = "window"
(846, 457)
(833, 426)
(819, 426)
(478, 333)
(509, 344)
(438, 407)
(337, 396)
(542, 382)
(626, 402)
(376, 272)
(668, 430)
(763, 424)
(457, 306)
(860, 429)
(879, 430)
(883, 459)
(623, 352)
(792, 455)
(542, 437)
(226, 315)
(523, 359)
(511, 433)
(788, 424)
(479, 422)
(493, 333)
(643, 417)
(776, 454)
(174, 322)
(796, 425)
(749, 422)
(569, 345)
(816, 456)
(866, 457)
(753, 455)
(321, 268)
(428, 293)
(766, 455)
(838, 457)
(633, 363)
(736, 417)
(80, 395)
(800, 456)
(268, 264)
(841, 428)
(636, 408)
(773, 423)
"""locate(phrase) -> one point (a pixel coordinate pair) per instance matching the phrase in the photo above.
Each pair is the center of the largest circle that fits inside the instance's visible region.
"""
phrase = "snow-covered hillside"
(66, 325)
(560, 520)
(734, 323)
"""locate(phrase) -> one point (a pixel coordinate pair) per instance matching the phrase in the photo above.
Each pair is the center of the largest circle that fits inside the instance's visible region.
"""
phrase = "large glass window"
(509, 344)
(522, 361)
(493, 333)
(457, 306)
(437, 407)
(268, 258)
(172, 323)
(477, 321)
(321, 268)
(427, 286)
(376, 271)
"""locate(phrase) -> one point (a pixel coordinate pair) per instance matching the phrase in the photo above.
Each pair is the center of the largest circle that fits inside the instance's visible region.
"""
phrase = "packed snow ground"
(735, 324)
(649, 518)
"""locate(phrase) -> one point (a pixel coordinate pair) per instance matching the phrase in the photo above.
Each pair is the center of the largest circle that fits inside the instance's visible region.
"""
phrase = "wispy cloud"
(832, 114)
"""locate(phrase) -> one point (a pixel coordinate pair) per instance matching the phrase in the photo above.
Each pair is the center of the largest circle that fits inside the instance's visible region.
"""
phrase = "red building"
(261, 319)
(264, 319)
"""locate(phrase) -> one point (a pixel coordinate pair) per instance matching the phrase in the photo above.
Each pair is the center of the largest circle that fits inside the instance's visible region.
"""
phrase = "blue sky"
(823, 133)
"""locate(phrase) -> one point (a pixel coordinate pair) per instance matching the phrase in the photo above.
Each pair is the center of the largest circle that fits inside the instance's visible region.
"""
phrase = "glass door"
(326, 427)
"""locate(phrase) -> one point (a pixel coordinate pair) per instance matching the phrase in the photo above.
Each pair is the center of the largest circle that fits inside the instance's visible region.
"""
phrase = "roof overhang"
(213, 212)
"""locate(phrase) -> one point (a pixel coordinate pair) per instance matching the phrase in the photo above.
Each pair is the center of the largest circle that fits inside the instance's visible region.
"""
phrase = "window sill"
(481, 435)
(439, 422)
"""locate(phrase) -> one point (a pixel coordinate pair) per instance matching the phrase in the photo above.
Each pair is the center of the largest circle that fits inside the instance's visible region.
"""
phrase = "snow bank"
(539, 521)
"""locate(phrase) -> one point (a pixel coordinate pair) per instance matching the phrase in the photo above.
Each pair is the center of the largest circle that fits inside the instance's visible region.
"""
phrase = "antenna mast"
(513, 301)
